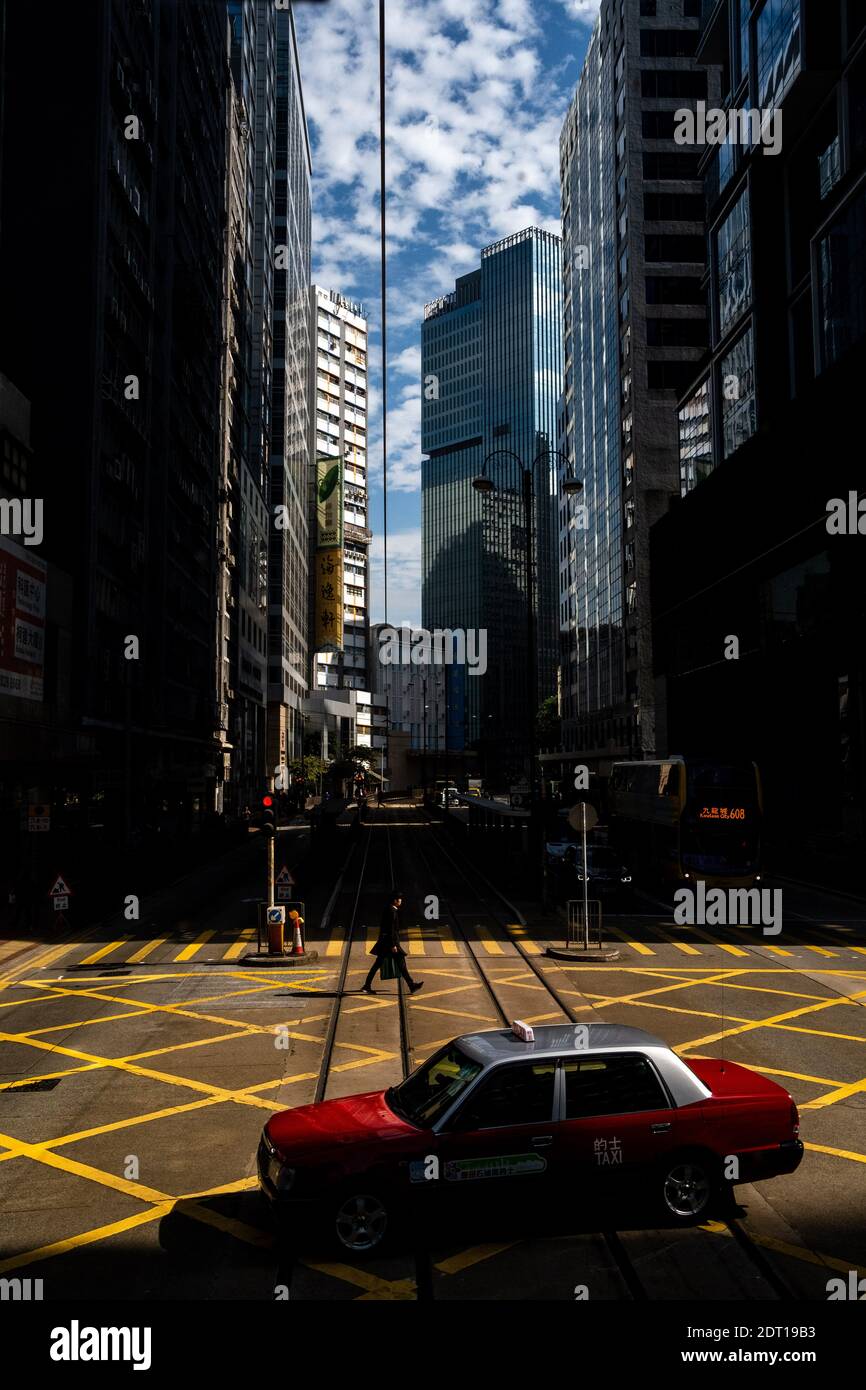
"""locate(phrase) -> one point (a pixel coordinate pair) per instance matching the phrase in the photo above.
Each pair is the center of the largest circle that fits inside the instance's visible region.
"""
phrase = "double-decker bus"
(677, 819)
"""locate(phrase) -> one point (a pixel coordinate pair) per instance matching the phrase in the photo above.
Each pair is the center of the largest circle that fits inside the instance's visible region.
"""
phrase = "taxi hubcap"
(687, 1189)
(361, 1222)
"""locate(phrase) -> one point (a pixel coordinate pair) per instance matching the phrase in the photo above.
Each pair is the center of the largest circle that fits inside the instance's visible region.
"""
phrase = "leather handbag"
(388, 969)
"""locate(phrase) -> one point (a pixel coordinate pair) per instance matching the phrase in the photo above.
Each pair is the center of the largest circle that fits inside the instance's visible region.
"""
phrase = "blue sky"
(476, 94)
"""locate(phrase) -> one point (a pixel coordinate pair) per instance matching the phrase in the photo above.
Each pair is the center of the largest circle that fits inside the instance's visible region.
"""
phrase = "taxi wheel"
(686, 1187)
(361, 1221)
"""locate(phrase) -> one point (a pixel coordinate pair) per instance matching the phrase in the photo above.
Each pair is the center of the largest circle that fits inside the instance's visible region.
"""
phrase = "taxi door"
(618, 1123)
(499, 1147)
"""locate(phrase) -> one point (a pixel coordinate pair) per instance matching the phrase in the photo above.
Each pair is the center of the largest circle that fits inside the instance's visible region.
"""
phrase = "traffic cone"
(297, 942)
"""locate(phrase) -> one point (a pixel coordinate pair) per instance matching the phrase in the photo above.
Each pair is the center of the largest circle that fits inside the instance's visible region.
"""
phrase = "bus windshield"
(721, 824)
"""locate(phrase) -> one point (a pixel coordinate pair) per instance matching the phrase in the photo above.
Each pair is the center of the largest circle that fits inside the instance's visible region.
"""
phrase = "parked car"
(563, 1111)
(608, 876)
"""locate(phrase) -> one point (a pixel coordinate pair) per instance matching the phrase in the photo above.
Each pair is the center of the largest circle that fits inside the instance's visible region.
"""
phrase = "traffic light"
(269, 825)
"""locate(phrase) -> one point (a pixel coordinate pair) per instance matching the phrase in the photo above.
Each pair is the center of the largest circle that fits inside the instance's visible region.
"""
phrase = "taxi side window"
(620, 1084)
(521, 1094)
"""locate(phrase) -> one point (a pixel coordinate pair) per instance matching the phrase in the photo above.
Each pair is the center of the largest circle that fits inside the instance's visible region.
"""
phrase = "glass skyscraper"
(492, 376)
(635, 328)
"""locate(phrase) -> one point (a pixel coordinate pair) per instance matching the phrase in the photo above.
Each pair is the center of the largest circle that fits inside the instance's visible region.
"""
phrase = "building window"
(829, 167)
(680, 83)
(668, 43)
(842, 282)
(674, 289)
(733, 264)
(777, 49)
(670, 164)
(674, 248)
(673, 207)
(676, 333)
(696, 445)
(738, 394)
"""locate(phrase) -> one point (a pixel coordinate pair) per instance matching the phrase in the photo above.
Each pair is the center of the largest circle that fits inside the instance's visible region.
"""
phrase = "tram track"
(345, 958)
(613, 1241)
(496, 916)
(398, 859)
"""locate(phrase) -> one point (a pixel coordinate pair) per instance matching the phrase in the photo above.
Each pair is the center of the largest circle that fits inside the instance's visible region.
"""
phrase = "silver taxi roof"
(497, 1044)
(554, 1039)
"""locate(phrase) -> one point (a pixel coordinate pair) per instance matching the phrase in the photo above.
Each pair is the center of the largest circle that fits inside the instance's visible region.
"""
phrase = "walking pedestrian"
(387, 948)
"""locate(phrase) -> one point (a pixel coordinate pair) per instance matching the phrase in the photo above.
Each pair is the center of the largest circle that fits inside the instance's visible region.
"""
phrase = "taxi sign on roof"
(522, 1030)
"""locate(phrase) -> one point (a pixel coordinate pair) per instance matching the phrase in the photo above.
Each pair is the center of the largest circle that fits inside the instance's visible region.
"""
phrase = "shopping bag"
(389, 969)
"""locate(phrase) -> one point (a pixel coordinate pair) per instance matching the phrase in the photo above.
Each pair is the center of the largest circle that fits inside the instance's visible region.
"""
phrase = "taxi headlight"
(284, 1179)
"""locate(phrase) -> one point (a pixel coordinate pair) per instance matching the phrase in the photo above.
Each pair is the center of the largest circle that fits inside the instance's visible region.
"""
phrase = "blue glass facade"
(492, 374)
(591, 561)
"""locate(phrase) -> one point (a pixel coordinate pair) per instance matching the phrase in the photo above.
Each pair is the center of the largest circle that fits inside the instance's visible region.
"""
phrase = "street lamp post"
(570, 487)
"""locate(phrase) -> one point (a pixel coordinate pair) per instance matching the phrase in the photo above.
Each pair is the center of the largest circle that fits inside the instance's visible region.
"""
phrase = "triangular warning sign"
(284, 876)
(60, 889)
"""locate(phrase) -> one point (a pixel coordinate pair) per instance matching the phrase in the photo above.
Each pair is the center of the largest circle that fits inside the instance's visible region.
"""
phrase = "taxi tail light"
(795, 1120)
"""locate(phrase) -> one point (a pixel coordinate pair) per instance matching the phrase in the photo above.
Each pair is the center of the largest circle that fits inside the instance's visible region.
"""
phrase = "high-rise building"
(415, 696)
(338, 431)
(635, 324)
(118, 352)
(492, 368)
(291, 463)
(758, 596)
(263, 497)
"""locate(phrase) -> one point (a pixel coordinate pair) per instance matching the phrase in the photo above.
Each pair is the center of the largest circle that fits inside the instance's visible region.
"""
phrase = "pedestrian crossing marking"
(194, 946)
(240, 945)
(486, 940)
(680, 945)
(805, 945)
(449, 945)
(531, 947)
(721, 945)
(103, 951)
(146, 950)
(638, 946)
(431, 940)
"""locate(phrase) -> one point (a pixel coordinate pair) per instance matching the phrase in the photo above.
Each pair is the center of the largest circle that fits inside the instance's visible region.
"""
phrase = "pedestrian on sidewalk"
(387, 947)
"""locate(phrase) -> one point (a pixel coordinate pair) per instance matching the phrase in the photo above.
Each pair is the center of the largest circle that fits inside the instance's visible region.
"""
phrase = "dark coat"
(389, 933)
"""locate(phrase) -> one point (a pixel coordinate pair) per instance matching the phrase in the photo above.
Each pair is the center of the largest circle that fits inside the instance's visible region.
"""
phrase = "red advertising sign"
(22, 621)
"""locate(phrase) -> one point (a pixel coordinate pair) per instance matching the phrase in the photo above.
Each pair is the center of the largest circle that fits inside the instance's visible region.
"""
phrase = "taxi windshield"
(430, 1090)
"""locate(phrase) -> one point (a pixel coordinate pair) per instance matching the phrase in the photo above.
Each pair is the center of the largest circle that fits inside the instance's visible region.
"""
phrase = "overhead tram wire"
(331, 1033)
(384, 291)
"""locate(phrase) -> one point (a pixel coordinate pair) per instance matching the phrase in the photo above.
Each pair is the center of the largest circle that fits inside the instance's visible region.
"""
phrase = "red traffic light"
(267, 801)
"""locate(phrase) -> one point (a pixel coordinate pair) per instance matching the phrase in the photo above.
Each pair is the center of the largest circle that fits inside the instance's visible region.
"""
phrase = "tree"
(310, 769)
(548, 726)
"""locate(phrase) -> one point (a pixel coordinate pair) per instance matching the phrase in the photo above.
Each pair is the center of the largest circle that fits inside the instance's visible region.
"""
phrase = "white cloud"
(404, 577)
(586, 11)
(467, 115)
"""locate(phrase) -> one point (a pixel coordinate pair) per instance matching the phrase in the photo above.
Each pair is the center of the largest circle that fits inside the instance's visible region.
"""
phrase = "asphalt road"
(138, 1065)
